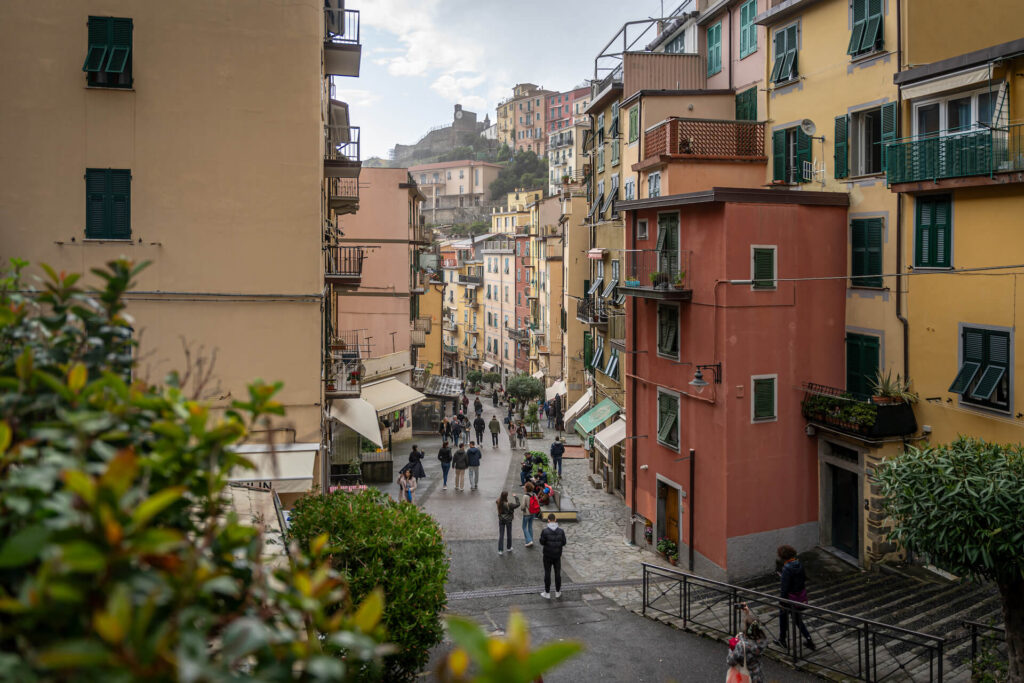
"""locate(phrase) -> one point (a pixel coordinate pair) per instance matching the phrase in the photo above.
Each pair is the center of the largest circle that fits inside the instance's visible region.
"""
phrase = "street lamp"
(698, 381)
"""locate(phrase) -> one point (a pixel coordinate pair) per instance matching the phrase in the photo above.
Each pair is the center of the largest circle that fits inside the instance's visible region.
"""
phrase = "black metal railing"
(657, 269)
(592, 310)
(341, 26)
(470, 279)
(850, 646)
(342, 144)
(988, 645)
(344, 261)
(857, 414)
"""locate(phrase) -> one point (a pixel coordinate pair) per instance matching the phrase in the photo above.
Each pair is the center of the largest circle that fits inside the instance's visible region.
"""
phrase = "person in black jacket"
(445, 456)
(552, 540)
(793, 587)
(478, 426)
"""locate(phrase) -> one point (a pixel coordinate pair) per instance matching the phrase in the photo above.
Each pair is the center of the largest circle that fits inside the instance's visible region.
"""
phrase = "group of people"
(552, 538)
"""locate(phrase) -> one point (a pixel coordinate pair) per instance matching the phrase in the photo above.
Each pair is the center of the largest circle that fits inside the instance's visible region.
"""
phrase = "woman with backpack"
(506, 513)
(531, 510)
(407, 485)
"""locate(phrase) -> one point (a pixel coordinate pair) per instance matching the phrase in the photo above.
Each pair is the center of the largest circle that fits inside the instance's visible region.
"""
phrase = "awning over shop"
(443, 387)
(359, 416)
(556, 389)
(606, 439)
(595, 416)
(579, 406)
(962, 79)
(391, 394)
(287, 468)
(538, 375)
(487, 367)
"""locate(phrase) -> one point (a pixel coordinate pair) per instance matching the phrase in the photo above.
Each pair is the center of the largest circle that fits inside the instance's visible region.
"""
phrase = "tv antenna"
(813, 169)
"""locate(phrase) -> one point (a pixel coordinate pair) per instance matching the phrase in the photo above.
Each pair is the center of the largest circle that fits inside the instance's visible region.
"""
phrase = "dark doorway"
(844, 511)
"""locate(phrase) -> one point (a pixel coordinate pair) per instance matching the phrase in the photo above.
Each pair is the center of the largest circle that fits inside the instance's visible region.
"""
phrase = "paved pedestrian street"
(620, 645)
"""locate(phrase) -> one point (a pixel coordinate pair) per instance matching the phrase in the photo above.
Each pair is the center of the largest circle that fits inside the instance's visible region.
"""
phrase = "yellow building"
(118, 142)
(575, 271)
(956, 171)
(430, 322)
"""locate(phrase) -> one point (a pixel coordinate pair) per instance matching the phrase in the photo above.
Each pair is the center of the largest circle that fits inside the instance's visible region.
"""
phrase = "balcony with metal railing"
(341, 152)
(617, 330)
(423, 324)
(471, 279)
(343, 367)
(450, 325)
(956, 154)
(417, 338)
(343, 195)
(342, 49)
(592, 311)
(518, 334)
(657, 274)
(450, 348)
(864, 417)
(679, 139)
(343, 265)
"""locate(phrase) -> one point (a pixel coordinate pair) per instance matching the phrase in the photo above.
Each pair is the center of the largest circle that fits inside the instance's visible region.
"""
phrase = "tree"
(121, 559)
(474, 377)
(525, 170)
(376, 541)
(524, 388)
(961, 505)
(491, 378)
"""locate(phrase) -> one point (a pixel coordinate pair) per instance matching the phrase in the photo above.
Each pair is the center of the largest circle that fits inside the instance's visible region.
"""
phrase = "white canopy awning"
(538, 375)
(358, 415)
(961, 79)
(487, 367)
(556, 389)
(578, 407)
(286, 468)
(391, 394)
(610, 435)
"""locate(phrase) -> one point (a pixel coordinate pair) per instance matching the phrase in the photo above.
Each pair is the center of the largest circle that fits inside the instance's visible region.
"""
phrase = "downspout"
(904, 323)
(631, 438)
(729, 11)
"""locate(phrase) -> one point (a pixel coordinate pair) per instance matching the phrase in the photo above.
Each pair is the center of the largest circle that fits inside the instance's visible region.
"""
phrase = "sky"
(421, 57)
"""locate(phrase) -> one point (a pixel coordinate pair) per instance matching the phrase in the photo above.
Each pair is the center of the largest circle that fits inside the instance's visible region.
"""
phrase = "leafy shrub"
(474, 377)
(121, 559)
(544, 465)
(523, 388)
(380, 542)
(843, 409)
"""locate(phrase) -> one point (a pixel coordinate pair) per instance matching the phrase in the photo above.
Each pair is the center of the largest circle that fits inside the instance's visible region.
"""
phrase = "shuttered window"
(598, 353)
(866, 35)
(746, 105)
(984, 375)
(612, 368)
(764, 398)
(866, 252)
(890, 120)
(841, 158)
(668, 420)
(764, 268)
(108, 204)
(714, 49)
(862, 353)
(748, 29)
(634, 124)
(791, 147)
(588, 348)
(108, 56)
(668, 331)
(932, 232)
(784, 59)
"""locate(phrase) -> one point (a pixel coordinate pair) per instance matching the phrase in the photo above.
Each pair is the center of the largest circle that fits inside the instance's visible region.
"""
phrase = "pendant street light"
(698, 380)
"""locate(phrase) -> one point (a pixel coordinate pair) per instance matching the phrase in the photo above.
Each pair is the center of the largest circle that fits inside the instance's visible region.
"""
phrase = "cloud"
(361, 98)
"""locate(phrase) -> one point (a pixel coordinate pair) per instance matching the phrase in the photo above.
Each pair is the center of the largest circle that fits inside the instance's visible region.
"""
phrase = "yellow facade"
(431, 306)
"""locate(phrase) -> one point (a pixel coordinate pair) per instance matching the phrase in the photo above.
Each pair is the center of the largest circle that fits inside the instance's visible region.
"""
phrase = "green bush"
(121, 559)
(524, 388)
(544, 465)
(380, 542)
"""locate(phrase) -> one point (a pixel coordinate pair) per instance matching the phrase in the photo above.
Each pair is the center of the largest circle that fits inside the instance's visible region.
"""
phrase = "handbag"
(800, 596)
(739, 673)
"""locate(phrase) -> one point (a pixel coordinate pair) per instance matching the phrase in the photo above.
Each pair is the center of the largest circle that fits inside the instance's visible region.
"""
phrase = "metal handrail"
(975, 627)
(699, 596)
(341, 26)
(341, 143)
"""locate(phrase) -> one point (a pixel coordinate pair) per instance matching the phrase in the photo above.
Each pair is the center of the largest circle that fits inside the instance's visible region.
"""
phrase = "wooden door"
(672, 514)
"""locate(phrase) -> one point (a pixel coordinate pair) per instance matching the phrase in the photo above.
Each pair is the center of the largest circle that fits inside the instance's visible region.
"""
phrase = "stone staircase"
(908, 598)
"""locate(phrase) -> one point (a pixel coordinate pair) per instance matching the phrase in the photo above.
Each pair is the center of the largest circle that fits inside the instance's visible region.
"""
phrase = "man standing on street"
(552, 540)
(478, 426)
(473, 457)
(495, 428)
(461, 462)
(557, 451)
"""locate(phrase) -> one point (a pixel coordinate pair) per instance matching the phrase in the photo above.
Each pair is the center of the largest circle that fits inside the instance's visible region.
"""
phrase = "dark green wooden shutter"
(866, 252)
(746, 105)
(862, 352)
(95, 203)
(842, 161)
(932, 244)
(860, 10)
(997, 358)
(789, 67)
(779, 57)
(803, 153)
(120, 45)
(98, 44)
(890, 118)
(120, 204)
(779, 155)
(764, 268)
(764, 399)
(872, 39)
(588, 348)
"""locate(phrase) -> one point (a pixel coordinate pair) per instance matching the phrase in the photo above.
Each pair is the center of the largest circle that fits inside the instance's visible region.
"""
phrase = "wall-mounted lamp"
(698, 380)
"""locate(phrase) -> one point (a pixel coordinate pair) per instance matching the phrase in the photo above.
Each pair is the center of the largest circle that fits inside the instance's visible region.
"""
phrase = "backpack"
(534, 505)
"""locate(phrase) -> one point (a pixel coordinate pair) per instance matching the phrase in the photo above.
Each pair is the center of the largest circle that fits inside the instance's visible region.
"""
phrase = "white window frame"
(942, 100)
(642, 229)
(654, 180)
(775, 267)
(775, 399)
(679, 419)
(855, 143)
(657, 330)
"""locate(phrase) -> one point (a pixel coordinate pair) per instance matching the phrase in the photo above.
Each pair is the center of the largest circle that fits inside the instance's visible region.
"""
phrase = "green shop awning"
(596, 416)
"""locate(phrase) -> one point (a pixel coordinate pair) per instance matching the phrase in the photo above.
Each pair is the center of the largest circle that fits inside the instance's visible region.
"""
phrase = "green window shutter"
(860, 10)
(803, 153)
(99, 44)
(714, 47)
(789, 67)
(964, 377)
(746, 105)
(588, 348)
(842, 147)
(96, 226)
(890, 117)
(779, 56)
(764, 269)
(120, 45)
(862, 353)
(748, 30)
(932, 248)
(866, 252)
(634, 124)
(743, 31)
(668, 418)
(120, 204)
(872, 39)
(764, 399)
(996, 349)
(779, 155)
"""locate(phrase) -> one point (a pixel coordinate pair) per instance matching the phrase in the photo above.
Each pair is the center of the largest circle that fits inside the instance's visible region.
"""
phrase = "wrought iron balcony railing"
(341, 152)
(343, 265)
(592, 311)
(657, 274)
(706, 139)
(470, 279)
(956, 154)
(450, 348)
(341, 26)
(862, 416)
(344, 371)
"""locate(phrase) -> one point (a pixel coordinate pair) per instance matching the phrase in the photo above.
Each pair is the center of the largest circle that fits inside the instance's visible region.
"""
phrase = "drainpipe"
(633, 442)
(899, 207)
(693, 456)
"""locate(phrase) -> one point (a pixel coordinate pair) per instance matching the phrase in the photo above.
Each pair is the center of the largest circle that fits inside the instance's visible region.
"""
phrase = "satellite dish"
(808, 127)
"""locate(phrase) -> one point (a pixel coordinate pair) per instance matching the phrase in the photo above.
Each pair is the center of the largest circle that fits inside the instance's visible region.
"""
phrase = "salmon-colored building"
(722, 333)
(520, 335)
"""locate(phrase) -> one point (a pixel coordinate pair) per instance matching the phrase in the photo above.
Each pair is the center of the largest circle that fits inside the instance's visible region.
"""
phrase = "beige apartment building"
(119, 143)
(454, 191)
(521, 119)
(499, 290)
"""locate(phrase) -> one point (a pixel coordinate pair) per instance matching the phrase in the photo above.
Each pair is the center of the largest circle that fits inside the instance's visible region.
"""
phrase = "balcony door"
(668, 244)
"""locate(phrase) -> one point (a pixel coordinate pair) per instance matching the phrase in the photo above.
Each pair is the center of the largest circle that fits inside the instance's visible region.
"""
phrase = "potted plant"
(565, 179)
(889, 389)
(680, 282)
(674, 558)
(649, 534)
(667, 546)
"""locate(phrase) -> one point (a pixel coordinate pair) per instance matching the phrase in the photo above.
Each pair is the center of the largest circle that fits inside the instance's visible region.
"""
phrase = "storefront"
(439, 394)
(285, 468)
(610, 459)
(591, 422)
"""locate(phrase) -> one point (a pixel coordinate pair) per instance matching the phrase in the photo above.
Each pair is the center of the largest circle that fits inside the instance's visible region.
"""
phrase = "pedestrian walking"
(478, 427)
(531, 509)
(457, 433)
(465, 402)
(521, 434)
(745, 650)
(445, 456)
(506, 513)
(495, 428)
(416, 463)
(407, 485)
(549, 410)
(478, 406)
(557, 451)
(552, 540)
(460, 461)
(473, 455)
(793, 587)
